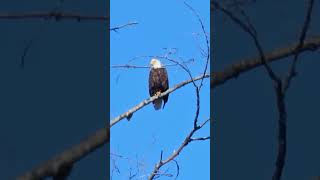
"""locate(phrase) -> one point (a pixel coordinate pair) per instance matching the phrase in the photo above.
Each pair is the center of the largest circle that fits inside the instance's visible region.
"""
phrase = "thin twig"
(160, 57)
(239, 3)
(200, 139)
(31, 42)
(130, 66)
(140, 67)
(184, 67)
(115, 29)
(182, 64)
(178, 168)
(292, 72)
(206, 40)
(175, 153)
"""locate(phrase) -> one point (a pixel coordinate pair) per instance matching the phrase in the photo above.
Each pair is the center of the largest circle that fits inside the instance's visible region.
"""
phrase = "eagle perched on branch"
(158, 83)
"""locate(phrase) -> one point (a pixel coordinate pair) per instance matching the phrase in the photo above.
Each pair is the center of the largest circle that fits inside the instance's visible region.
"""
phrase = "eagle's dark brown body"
(158, 83)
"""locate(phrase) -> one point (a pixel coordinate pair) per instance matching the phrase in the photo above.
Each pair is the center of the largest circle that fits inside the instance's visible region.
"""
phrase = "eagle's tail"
(157, 104)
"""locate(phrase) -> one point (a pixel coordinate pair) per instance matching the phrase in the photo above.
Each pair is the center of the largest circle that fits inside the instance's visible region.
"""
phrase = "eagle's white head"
(155, 63)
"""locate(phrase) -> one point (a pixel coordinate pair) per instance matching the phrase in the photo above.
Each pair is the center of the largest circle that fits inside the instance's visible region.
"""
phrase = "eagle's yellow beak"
(152, 62)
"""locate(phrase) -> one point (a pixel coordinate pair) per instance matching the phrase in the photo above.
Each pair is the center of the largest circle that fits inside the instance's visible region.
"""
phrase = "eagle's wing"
(164, 84)
(158, 82)
(152, 82)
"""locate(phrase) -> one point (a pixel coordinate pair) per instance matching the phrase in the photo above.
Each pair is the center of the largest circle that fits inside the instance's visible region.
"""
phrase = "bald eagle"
(158, 83)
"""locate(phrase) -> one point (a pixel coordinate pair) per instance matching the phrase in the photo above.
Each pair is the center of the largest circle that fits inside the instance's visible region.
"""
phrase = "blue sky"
(162, 24)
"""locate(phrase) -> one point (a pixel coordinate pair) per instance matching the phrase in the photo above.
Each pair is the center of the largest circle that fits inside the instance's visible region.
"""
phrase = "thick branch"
(130, 112)
(65, 160)
(219, 78)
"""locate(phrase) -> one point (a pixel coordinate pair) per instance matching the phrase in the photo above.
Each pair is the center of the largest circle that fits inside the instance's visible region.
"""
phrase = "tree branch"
(206, 40)
(147, 101)
(176, 153)
(130, 66)
(280, 92)
(251, 31)
(64, 161)
(115, 29)
(245, 65)
(200, 139)
(52, 15)
(306, 25)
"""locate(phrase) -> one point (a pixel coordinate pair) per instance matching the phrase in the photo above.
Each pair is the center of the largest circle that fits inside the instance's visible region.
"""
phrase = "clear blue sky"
(59, 98)
(162, 24)
(245, 130)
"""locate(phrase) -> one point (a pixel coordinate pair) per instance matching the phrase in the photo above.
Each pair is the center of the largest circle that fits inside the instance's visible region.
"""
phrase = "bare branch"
(114, 167)
(239, 3)
(245, 65)
(115, 29)
(292, 72)
(31, 42)
(200, 139)
(184, 67)
(176, 63)
(178, 168)
(280, 91)
(52, 15)
(131, 176)
(69, 157)
(130, 66)
(249, 28)
(145, 67)
(151, 99)
(176, 153)
(206, 39)
(198, 108)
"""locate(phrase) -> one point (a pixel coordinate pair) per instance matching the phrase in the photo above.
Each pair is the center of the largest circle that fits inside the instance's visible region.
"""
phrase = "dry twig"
(117, 28)
(186, 141)
(53, 15)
